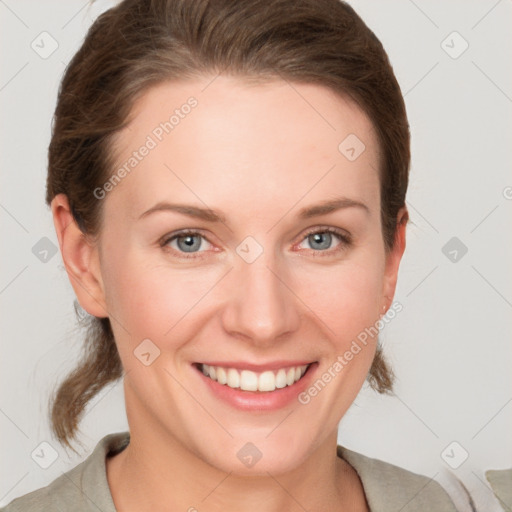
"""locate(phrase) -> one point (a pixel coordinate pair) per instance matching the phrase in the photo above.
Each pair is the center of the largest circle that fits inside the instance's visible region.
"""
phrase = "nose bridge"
(262, 307)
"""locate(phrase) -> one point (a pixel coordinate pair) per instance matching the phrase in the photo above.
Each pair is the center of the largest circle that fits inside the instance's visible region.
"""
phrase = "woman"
(227, 182)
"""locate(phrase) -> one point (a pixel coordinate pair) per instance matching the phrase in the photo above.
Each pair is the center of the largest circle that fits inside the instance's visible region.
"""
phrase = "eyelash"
(345, 238)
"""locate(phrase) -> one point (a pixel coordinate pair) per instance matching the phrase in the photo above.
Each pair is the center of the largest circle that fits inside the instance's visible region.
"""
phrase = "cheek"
(346, 298)
(346, 302)
(152, 300)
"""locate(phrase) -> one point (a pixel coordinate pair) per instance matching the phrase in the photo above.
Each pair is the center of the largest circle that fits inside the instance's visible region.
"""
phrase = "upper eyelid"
(331, 229)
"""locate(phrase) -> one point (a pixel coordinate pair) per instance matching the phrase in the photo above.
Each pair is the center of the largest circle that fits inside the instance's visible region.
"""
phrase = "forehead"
(237, 141)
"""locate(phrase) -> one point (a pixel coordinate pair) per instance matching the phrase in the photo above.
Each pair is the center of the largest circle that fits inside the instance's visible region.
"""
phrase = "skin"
(257, 153)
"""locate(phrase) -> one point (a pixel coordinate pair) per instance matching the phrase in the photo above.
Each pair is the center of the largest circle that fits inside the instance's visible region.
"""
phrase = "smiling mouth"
(247, 380)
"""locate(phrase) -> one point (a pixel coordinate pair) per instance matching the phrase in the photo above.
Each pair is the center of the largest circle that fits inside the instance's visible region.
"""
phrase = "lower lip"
(259, 400)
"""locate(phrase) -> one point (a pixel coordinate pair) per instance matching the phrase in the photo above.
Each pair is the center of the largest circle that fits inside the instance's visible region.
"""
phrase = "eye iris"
(189, 241)
(317, 237)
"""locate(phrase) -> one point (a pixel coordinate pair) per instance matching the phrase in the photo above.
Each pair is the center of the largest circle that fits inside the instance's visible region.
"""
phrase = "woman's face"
(253, 288)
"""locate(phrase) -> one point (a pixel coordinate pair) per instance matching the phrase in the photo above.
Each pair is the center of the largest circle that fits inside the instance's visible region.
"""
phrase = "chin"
(258, 455)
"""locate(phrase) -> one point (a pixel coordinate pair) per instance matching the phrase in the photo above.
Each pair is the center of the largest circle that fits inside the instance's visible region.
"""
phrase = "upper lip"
(272, 365)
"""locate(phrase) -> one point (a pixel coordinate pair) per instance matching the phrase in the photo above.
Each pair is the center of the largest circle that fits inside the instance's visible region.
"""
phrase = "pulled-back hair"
(140, 43)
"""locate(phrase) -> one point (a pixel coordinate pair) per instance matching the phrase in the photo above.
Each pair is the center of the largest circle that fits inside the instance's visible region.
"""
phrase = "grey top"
(388, 488)
(501, 483)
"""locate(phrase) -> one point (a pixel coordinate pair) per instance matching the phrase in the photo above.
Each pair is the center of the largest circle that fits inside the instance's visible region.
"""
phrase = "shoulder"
(84, 488)
(389, 488)
(62, 491)
(500, 481)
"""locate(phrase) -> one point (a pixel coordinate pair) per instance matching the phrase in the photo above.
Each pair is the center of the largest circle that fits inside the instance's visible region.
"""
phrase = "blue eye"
(322, 238)
(189, 242)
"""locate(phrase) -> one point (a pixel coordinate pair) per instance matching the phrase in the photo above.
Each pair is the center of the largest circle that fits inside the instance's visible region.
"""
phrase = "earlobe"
(80, 257)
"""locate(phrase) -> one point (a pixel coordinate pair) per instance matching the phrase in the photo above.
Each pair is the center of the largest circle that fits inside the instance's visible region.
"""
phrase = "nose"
(262, 306)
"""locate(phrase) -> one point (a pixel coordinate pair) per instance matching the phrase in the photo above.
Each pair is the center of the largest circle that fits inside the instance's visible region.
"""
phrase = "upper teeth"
(251, 381)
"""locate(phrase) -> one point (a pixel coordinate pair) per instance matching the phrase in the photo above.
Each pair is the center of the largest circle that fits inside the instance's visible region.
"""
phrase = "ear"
(393, 259)
(81, 259)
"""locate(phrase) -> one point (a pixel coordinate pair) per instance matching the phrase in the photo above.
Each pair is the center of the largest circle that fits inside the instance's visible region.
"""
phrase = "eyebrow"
(209, 215)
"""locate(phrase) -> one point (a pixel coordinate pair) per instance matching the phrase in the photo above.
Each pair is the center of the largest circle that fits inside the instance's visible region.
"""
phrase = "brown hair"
(140, 43)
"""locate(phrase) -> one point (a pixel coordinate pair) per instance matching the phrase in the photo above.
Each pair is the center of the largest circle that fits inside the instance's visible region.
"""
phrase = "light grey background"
(450, 346)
